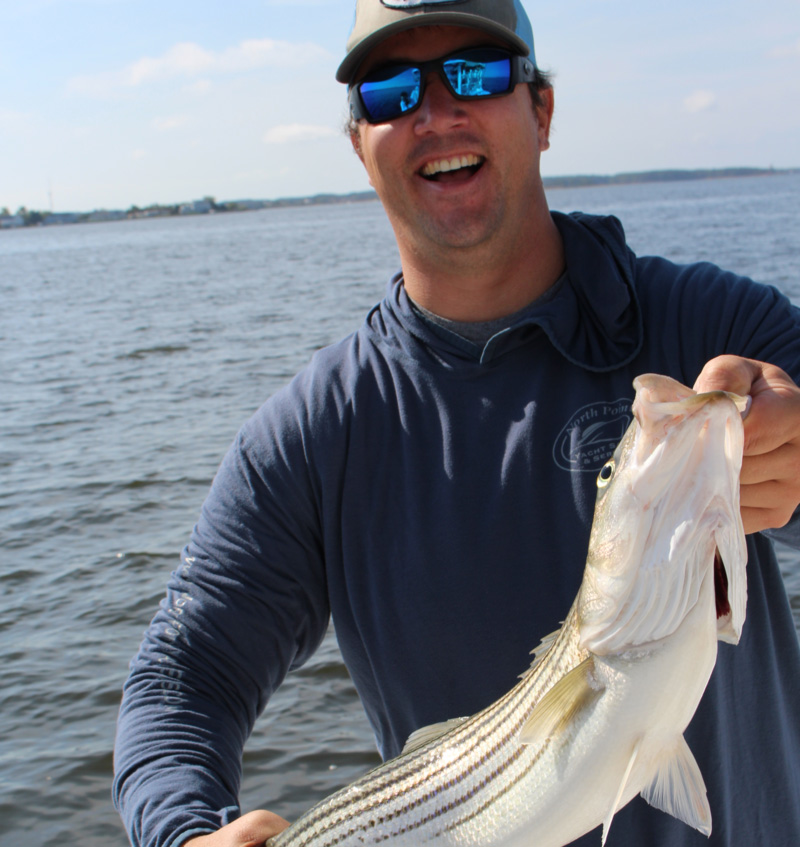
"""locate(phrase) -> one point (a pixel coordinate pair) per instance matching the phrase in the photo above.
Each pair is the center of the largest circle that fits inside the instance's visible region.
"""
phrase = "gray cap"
(376, 20)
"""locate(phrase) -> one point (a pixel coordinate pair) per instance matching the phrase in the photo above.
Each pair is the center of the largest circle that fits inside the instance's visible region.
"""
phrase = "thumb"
(729, 373)
(256, 827)
(250, 830)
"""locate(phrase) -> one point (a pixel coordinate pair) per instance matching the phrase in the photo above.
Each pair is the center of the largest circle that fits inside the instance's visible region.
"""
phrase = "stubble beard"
(455, 239)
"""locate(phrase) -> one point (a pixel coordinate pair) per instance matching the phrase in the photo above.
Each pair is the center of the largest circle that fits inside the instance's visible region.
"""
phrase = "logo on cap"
(410, 4)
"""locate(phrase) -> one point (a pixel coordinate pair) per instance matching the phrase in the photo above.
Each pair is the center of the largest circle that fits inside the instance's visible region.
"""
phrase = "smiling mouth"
(455, 167)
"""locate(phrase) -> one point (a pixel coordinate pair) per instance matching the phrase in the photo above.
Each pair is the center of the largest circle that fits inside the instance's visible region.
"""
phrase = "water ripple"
(132, 352)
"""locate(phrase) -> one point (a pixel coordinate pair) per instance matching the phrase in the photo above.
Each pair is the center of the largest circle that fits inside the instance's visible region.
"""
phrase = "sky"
(111, 103)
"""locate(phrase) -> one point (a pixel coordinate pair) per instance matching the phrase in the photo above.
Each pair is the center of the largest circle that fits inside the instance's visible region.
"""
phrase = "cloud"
(11, 121)
(167, 124)
(700, 101)
(784, 50)
(190, 60)
(199, 88)
(297, 132)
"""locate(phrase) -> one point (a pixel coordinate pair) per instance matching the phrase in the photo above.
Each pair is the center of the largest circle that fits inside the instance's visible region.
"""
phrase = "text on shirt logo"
(589, 438)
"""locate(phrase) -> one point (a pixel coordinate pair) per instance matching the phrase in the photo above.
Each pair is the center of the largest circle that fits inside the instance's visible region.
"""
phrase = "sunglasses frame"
(521, 69)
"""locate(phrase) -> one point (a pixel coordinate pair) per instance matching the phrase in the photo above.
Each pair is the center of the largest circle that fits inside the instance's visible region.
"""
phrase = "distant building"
(199, 207)
(150, 212)
(58, 218)
(11, 221)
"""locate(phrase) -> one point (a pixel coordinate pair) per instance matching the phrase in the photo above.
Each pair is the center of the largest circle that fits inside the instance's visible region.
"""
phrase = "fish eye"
(606, 474)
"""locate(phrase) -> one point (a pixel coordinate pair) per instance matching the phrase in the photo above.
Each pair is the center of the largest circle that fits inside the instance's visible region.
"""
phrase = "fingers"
(250, 830)
(770, 478)
(769, 512)
(770, 487)
(774, 418)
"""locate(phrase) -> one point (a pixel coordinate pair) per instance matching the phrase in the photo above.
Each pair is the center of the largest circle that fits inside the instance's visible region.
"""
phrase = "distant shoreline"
(661, 176)
(208, 205)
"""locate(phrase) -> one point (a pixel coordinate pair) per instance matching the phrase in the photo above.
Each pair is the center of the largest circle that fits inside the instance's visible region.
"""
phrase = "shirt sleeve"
(248, 603)
(789, 534)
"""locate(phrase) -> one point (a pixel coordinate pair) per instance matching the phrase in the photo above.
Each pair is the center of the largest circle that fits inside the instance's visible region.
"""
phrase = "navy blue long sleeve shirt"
(436, 497)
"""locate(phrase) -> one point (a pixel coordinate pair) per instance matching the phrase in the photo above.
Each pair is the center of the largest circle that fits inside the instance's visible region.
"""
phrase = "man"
(431, 478)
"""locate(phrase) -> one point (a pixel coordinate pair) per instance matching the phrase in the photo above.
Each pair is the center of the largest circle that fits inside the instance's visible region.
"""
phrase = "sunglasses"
(474, 74)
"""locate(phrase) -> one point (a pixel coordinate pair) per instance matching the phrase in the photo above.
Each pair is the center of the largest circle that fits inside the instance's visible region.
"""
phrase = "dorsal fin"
(420, 737)
(540, 651)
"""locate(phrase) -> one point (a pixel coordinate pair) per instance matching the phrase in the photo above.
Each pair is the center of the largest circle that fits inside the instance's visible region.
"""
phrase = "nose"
(439, 110)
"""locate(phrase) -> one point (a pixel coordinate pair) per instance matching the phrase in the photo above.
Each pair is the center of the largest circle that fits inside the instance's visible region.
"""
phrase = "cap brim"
(356, 56)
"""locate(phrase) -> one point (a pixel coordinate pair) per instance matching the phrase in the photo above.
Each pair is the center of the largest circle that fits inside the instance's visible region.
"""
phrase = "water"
(130, 353)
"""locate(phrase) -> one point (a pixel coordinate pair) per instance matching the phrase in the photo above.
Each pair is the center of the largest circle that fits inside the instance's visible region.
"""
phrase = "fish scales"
(599, 715)
(480, 755)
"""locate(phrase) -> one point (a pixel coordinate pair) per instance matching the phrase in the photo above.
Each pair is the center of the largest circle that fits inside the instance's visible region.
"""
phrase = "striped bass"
(599, 716)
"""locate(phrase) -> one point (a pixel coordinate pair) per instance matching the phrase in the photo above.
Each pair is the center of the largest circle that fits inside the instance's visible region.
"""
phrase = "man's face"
(492, 148)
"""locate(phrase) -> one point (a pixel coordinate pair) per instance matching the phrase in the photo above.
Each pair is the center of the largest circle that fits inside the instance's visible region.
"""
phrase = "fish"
(599, 715)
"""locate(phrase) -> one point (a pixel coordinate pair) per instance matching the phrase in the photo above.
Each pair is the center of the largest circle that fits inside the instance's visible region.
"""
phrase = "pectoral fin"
(559, 707)
(678, 788)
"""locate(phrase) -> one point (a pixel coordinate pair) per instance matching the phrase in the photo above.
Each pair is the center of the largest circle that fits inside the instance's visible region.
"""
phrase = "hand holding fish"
(250, 830)
(770, 478)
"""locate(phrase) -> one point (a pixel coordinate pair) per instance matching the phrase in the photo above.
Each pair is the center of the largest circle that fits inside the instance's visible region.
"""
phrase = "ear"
(544, 117)
(355, 140)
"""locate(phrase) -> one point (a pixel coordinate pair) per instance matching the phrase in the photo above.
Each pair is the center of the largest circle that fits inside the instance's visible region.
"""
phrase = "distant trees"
(154, 210)
(30, 218)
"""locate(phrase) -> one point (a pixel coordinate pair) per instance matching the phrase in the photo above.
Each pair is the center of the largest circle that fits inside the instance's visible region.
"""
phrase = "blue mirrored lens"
(475, 75)
(387, 98)
(395, 89)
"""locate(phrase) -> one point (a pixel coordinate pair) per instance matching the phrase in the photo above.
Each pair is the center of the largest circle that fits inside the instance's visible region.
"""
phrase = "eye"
(606, 474)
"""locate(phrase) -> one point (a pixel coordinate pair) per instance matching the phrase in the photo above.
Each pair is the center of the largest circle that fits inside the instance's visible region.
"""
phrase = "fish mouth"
(721, 588)
(457, 168)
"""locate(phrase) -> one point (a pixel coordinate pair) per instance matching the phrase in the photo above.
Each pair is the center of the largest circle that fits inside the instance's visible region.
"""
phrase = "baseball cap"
(376, 20)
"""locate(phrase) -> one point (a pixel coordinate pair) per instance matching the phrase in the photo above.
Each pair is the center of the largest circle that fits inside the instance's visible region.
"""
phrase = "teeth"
(453, 164)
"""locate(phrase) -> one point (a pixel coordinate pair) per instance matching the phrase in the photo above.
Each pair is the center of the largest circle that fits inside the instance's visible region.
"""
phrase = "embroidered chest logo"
(589, 438)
